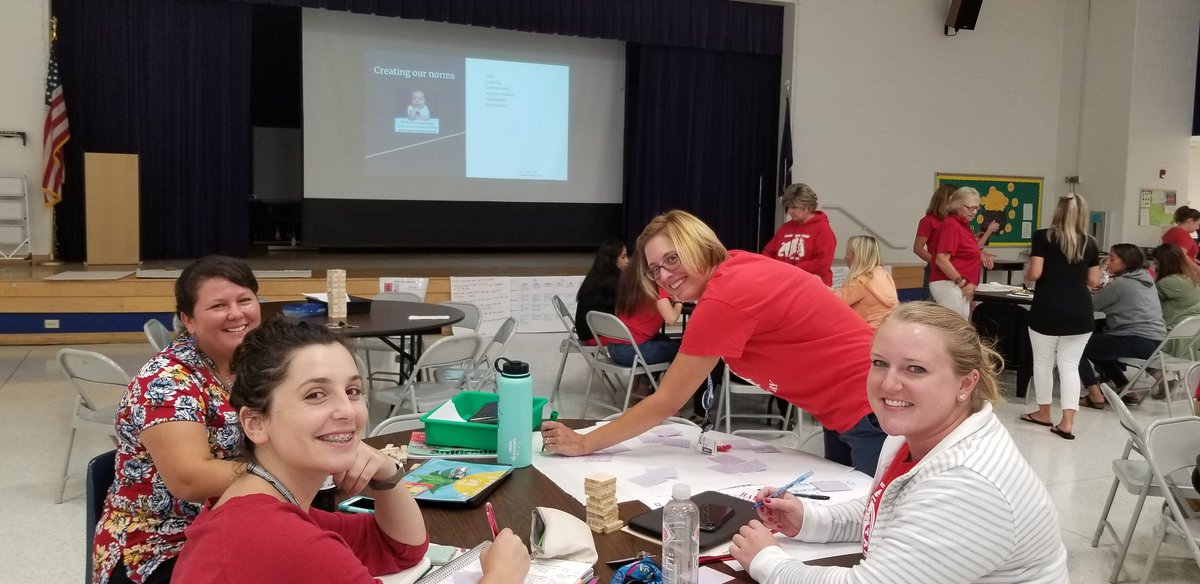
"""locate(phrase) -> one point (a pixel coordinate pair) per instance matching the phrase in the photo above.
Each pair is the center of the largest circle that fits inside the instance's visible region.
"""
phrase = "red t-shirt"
(955, 238)
(900, 465)
(928, 228)
(784, 331)
(1179, 237)
(258, 538)
(645, 322)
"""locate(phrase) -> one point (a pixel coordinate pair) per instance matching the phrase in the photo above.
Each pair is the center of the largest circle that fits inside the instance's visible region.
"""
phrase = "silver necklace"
(263, 474)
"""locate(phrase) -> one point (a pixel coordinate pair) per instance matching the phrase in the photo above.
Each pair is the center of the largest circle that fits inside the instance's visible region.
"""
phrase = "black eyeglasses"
(670, 263)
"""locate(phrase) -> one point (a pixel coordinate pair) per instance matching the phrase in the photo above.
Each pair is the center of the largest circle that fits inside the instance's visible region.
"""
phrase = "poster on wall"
(1157, 207)
(1014, 202)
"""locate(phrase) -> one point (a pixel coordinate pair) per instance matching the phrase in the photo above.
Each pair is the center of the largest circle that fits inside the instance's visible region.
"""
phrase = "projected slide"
(415, 120)
(476, 118)
(516, 120)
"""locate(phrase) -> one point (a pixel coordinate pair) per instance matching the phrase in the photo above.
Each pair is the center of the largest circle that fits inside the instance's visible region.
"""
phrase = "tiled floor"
(43, 542)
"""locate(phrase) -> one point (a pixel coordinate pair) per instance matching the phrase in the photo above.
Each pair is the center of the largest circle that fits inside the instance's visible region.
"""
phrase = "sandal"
(1133, 399)
(1061, 433)
(1032, 420)
(1095, 405)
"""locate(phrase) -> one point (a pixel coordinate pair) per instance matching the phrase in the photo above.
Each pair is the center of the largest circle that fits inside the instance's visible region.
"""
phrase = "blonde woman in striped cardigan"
(952, 501)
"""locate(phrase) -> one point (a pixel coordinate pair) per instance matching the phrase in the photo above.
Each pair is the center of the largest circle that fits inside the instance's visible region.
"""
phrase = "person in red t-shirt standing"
(957, 261)
(774, 326)
(806, 241)
(927, 228)
(1187, 221)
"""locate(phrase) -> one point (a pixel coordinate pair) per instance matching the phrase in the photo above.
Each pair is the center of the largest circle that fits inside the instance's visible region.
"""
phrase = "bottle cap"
(512, 368)
(681, 491)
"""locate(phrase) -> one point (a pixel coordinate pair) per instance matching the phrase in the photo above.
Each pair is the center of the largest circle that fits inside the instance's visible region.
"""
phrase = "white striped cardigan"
(971, 511)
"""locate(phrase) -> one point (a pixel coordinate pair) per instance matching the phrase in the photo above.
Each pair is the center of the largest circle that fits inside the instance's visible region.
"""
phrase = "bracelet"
(388, 483)
(960, 281)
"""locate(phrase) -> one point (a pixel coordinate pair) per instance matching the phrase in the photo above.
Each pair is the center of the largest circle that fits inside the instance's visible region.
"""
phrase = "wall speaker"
(963, 14)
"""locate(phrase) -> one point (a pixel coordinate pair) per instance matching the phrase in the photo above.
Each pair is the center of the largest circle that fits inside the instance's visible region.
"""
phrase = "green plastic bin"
(472, 434)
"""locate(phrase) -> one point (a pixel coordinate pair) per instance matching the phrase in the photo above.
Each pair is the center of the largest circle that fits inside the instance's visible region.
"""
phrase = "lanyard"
(262, 473)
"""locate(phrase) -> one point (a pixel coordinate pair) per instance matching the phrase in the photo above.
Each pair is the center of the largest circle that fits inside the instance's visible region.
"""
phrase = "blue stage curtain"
(168, 81)
(703, 24)
(700, 136)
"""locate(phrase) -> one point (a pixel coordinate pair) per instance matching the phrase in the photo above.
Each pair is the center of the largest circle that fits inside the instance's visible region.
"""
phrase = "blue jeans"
(1103, 350)
(653, 351)
(858, 447)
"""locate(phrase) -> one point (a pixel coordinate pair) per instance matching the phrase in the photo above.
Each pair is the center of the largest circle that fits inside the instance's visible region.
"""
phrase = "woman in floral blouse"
(175, 428)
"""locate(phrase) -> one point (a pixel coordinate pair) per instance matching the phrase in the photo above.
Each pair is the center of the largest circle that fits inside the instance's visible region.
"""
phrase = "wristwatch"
(388, 483)
(960, 281)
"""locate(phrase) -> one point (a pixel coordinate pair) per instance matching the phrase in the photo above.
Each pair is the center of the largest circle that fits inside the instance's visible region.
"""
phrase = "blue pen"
(779, 493)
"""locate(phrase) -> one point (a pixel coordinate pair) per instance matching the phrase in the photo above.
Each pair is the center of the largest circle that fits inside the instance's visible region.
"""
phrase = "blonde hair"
(866, 256)
(960, 196)
(937, 203)
(698, 247)
(1069, 227)
(967, 351)
(799, 195)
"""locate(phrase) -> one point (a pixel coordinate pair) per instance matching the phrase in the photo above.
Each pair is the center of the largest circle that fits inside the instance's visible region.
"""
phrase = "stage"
(38, 311)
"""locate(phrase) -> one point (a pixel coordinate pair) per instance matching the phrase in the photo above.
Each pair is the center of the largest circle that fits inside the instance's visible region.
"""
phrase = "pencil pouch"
(560, 535)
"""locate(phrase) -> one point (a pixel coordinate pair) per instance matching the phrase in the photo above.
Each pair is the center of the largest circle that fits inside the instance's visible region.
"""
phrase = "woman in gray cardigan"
(1133, 319)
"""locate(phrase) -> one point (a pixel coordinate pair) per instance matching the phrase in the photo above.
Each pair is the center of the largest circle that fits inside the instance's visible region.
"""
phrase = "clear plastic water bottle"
(514, 437)
(681, 538)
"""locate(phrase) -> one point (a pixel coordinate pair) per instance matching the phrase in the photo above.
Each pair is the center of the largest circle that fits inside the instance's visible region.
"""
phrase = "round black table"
(387, 318)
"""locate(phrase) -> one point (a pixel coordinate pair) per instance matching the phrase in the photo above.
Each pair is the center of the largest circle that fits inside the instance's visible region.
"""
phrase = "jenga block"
(600, 480)
(600, 491)
(604, 517)
(597, 526)
(601, 506)
(613, 526)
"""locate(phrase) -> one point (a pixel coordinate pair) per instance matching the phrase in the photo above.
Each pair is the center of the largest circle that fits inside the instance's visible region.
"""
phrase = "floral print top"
(142, 524)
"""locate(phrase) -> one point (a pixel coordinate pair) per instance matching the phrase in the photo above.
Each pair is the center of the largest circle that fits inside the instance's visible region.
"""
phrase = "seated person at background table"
(806, 240)
(953, 500)
(1133, 324)
(775, 326)
(598, 291)
(869, 289)
(175, 427)
(299, 396)
(1187, 221)
(1178, 282)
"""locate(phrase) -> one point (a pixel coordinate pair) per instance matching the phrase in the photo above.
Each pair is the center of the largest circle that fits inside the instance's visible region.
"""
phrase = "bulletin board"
(1014, 201)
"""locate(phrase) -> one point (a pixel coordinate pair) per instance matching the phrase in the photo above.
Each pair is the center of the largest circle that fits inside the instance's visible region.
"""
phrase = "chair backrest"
(101, 471)
(495, 348)
(399, 423)
(1186, 329)
(87, 370)
(397, 297)
(473, 319)
(1128, 422)
(564, 313)
(157, 334)
(1171, 447)
(607, 326)
(452, 350)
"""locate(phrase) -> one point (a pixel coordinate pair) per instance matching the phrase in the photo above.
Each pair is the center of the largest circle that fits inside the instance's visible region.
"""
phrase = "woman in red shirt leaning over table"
(1187, 221)
(774, 326)
(957, 260)
(175, 427)
(300, 399)
(953, 499)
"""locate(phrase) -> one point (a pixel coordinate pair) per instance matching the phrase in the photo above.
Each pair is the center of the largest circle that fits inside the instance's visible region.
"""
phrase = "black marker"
(808, 496)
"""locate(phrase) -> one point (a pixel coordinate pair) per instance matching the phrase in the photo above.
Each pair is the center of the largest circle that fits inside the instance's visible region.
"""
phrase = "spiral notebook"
(466, 569)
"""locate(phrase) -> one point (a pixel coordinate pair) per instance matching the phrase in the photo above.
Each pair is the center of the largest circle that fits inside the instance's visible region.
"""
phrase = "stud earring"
(962, 397)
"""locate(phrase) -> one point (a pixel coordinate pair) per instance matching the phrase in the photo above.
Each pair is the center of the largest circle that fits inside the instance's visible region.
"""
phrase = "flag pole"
(53, 260)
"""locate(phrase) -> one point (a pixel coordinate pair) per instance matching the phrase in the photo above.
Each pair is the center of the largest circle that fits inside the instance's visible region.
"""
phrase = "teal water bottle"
(514, 437)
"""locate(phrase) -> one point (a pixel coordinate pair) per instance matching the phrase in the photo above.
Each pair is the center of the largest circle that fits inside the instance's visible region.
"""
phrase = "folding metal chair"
(424, 394)
(157, 334)
(367, 345)
(570, 344)
(1169, 367)
(731, 387)
(99, 384)
(606, 327)
(1171, 447)
(1132, 474)
(399, 423)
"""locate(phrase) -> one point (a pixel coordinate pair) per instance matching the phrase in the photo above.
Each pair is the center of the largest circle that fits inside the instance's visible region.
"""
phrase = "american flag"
(54, 134)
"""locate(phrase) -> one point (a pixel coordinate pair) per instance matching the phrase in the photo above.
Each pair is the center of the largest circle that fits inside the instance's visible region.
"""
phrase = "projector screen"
(447, 117)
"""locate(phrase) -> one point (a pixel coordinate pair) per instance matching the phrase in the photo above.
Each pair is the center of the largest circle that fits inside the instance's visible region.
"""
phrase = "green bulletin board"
(1014, 201)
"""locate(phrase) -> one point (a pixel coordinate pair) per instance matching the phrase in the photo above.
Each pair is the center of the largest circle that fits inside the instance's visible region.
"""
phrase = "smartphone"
(357, 504)
(486, 414)
(712, 517)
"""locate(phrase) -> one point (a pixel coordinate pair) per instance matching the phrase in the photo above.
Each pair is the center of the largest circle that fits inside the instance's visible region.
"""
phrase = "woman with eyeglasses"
(957, 259)
(773, 325)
